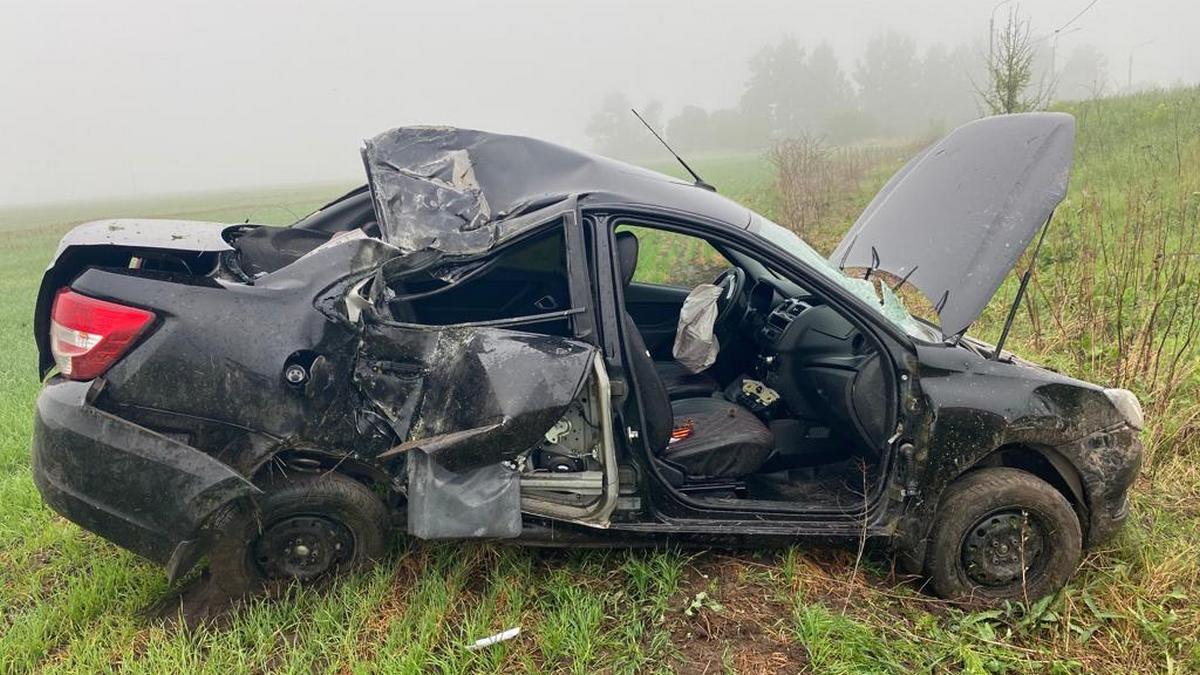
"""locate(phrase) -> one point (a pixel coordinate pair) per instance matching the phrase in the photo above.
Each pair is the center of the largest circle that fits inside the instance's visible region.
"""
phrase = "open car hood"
(956, 218)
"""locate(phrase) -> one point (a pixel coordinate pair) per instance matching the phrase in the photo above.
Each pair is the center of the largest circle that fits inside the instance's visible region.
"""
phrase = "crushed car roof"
(460, 191)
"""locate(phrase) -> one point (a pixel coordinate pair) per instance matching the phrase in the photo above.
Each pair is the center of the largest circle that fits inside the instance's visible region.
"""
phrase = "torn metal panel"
(472, 503)
(474, 395)
(435, 444)
(435, 264)
(431, 201)
(958, 216)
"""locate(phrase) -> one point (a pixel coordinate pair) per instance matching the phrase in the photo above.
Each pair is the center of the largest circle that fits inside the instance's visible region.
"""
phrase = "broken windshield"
(884, 301)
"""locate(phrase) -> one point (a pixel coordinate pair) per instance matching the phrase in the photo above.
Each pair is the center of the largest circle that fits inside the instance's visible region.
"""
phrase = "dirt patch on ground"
(737, 620)
(733, 610)
(198, 601)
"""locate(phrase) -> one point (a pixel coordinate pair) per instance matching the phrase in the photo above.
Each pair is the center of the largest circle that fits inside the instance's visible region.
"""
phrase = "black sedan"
(469, 346)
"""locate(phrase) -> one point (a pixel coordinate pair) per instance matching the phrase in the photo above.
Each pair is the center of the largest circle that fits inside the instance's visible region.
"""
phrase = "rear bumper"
(136, 488)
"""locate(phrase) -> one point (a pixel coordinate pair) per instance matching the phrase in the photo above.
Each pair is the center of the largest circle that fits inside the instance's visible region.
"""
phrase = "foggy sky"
(129, 97)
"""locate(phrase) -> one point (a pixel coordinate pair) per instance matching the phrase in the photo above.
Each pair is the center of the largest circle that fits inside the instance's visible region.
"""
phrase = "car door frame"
(672, 510)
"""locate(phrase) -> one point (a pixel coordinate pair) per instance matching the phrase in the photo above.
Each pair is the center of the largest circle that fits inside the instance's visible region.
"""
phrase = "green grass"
(71, 602)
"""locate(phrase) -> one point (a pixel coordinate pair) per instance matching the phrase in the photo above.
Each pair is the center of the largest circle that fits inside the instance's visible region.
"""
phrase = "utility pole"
(1054, 46)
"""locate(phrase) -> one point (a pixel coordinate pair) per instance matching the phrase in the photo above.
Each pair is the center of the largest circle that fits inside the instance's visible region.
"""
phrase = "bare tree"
(1010, 86)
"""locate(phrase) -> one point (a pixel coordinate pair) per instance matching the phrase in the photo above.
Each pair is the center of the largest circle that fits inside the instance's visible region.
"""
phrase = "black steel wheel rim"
(1005, 547)
(303, 547)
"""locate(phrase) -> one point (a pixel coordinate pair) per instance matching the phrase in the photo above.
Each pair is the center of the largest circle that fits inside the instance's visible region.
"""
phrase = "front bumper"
(133, 486)
(1108, 463)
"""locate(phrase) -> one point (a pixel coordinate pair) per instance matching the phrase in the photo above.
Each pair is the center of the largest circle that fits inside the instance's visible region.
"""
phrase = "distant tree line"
(894, 89)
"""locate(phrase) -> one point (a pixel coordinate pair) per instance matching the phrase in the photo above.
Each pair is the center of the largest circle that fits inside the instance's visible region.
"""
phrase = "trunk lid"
(109, 242)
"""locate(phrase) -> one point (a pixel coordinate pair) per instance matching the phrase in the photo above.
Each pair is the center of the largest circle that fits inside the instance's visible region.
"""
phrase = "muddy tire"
(1002, 534)
(306, 527)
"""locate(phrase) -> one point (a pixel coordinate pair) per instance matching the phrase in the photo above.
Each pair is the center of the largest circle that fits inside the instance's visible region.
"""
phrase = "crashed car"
(496, 337)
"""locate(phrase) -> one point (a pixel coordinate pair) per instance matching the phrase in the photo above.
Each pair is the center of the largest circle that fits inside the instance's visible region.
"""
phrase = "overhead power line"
(1076, 17)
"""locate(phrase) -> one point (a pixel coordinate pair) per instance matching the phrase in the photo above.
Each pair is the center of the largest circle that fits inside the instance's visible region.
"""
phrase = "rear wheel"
(307, 526)
(1002, 534)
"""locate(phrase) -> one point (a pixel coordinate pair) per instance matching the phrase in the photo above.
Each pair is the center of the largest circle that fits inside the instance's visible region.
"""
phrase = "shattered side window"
(527, 279)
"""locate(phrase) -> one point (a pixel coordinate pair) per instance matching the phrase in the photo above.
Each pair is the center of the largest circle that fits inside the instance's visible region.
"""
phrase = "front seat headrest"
(627, 255)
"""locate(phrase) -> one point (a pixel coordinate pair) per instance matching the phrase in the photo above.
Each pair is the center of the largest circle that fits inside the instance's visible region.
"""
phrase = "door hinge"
(616, 388)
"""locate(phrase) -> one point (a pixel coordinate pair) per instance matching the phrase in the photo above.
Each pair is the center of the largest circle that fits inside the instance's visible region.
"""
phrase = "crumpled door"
(469, 396)
(466, 399)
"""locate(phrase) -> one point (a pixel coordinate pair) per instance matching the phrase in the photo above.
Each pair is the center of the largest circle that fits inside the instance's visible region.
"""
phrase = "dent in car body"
(469, 396)
(217, 379)
(978, 406)
(458, 191)
(424, 381)
(214, 365)
(474, 395)
(141, 489)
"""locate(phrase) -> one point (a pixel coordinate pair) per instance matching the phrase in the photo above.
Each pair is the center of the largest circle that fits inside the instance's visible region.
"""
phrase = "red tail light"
(88, 335)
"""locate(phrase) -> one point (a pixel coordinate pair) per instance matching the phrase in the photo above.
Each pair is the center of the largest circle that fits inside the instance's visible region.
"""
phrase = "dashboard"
(823, 366)
(777, 322)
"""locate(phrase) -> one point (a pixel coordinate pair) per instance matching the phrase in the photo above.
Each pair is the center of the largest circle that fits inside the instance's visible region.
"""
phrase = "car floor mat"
(836, 485)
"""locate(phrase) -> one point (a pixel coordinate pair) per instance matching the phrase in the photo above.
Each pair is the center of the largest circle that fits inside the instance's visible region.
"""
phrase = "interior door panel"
(655, 310)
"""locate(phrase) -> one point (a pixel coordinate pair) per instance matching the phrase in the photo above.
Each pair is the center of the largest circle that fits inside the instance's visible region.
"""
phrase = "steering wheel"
(731, 306)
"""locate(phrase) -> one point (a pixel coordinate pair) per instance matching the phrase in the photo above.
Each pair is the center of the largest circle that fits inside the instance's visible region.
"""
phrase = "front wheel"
(1002, 534)
(307, 526)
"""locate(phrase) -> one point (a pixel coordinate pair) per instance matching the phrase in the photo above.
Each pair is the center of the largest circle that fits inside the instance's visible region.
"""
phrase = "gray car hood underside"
(956, 218)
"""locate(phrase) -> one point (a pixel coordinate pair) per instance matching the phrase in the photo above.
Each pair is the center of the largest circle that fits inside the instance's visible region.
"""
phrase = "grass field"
(70, 602)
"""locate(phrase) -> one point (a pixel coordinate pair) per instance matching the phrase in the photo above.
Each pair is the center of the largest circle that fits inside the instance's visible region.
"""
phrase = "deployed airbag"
(696, 345)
